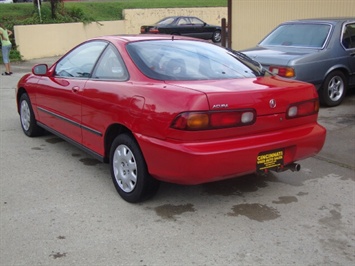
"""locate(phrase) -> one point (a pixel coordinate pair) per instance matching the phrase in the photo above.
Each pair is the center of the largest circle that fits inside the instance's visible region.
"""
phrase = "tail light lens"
(153, 30)
(213, 120)
(287, 72)
(303, 109)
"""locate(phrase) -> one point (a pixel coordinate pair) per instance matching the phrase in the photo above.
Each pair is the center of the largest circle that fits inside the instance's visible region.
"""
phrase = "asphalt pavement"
(58, 206)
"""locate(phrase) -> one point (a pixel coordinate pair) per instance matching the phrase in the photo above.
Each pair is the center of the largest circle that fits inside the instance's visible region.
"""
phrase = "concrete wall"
(37, 41)
(253, 19)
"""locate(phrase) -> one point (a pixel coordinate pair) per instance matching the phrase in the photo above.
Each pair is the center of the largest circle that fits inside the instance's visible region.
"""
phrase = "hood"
(251, 93)
(283, 56)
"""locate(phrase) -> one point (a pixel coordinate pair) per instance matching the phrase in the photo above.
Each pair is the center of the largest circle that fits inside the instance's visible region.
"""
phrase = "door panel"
(105, 98)
(59, 96)
(59, 105)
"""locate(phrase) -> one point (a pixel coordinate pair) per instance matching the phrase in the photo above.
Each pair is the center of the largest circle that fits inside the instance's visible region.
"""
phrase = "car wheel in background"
(129, 170)
(333, 89)
(216, 36)
(27, 118)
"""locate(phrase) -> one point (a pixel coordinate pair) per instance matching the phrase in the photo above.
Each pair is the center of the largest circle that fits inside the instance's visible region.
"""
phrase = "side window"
(348, 38)
(80, 62)
(111, 66)
(196, 21)
(183, 21)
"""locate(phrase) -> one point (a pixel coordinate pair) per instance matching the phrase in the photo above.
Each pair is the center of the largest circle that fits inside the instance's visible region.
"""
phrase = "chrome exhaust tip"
(294, 167)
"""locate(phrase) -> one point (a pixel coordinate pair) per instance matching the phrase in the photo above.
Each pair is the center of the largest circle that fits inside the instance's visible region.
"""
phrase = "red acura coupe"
(171, 108)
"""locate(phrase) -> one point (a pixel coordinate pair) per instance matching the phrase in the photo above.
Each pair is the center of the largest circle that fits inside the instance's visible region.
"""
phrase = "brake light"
(287, 72)
(153, 30)
(303, 109)
(213, 120)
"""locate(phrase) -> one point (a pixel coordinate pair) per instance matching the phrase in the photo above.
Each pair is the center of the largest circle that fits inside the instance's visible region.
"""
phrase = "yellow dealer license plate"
(269, 160)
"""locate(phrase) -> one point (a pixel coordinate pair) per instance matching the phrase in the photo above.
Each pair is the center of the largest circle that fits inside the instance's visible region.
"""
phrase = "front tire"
(216, 36)
(27, 118)
(129, 171)
(333, 89)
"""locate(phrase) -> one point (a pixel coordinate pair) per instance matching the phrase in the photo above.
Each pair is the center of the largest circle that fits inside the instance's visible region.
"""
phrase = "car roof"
(323, 20)
(142, 37)
(180, 17)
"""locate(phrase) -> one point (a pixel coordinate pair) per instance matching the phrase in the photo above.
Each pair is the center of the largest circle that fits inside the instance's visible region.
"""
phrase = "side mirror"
(40, 69)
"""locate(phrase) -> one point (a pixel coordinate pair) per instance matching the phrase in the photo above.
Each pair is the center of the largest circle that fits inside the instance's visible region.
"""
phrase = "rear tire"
(333, 89)
(27, 118)
(129, 170)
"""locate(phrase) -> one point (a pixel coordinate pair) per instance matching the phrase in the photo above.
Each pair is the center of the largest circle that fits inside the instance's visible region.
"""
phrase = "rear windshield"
(166, 21)
(190, 60)
(305, 35)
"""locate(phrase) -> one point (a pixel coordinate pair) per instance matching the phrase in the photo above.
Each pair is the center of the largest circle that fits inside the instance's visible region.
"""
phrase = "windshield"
(190, 60)
(298, 35)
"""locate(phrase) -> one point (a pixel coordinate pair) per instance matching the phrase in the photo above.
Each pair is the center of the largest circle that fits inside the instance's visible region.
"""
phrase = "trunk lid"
(282, 56)
(267, 95)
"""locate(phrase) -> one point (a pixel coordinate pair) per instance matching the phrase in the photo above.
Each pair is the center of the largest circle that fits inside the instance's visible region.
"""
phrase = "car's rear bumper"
(202, 162)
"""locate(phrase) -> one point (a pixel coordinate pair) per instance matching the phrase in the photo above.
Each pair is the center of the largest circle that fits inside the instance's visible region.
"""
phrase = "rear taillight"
(287, 72)
(303, 109)
(153, 30)
(213, 120)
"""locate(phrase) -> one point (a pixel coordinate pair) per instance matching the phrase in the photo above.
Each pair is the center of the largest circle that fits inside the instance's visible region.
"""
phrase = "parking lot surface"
(59, 206)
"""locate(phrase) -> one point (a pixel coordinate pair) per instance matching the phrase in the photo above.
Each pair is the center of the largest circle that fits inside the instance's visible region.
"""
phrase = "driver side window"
(80, 62)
